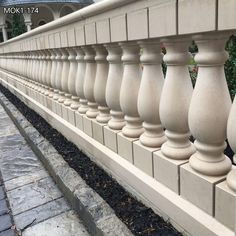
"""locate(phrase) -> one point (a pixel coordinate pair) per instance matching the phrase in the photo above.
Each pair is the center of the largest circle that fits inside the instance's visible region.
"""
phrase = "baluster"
(175, 101)
(100, 84)
(71, 76)
(210, 106)
(114, 80)
(53, 71)
(89, 80)
(129, 90)
(150, 93)
(83, 107)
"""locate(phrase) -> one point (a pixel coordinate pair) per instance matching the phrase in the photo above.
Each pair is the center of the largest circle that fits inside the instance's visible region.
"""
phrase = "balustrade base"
(163, 165)
(110, 138)
(143, 157)
(225, 205)
(199, 189)
(125, 147)
(64, 110)
(98, 133)
(184, 215)
(71, 116)
(88, 128)
(79, 121)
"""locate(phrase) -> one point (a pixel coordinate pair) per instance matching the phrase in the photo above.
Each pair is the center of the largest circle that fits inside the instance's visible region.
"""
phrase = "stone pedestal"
(225, 205)
(54, 105)
(71, 116)
(49, 103)
(64, 110)
(88, 128)
(167, 171)
(110, 138)
(125, 147)
(59, 109)
(98, 133)
(143, 157)
(79, 121)
(198, 189)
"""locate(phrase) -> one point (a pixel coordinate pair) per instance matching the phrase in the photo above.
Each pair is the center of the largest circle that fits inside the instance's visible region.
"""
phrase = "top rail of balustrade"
(124, 20)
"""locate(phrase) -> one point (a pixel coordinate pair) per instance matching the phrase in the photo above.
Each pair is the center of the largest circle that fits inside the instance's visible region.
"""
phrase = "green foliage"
(18, 26)
(230, 66)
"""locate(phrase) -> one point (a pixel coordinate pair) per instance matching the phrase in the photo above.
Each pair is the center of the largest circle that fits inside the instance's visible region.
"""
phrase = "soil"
(140, 219)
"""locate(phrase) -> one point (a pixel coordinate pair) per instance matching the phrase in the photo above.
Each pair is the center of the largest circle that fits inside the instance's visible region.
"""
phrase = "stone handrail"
(87, 69)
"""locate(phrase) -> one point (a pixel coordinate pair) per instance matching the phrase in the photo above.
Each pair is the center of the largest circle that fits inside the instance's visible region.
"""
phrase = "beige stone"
(167, 171)
(64, 112)
(71, 116)
(79, 121)
(225, 205)
(103, 31)
(125, 147)
(195, 23)
(90, 34)
(143, 157)
(141, 17)
(198, 189)
(110, 138)
(118, 28)
(162, 19)
(87, 123)
(98, 133)
(79, 35)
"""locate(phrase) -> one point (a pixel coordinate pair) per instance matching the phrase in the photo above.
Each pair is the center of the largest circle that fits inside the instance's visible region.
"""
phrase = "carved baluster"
(210, 106)
(114, 80)
(150, 93)
(89, 80)
(129, 90)
(83, 107)
(53, 71)
(64, 75)
(100, 84)
(71, 77)
(175, 101)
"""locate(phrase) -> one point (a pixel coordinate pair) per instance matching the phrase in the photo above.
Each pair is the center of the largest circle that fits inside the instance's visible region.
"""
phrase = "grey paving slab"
(25, 179)
(41, 213)
(5, 221)
(3, 207)
(33, 195)
(17, 163)
(2, 194)
(7, 127)
(10, 142)
(66, 224)
(9, 232)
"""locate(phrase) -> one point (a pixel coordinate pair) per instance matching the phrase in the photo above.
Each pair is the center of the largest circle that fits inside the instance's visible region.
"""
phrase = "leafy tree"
(18, 25)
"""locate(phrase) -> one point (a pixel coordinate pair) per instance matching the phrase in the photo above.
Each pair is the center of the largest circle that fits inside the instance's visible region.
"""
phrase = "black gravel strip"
(140, 219)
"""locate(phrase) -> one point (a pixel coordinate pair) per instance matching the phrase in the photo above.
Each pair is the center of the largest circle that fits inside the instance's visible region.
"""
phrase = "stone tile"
(7, 127)
(66, 224)
(41, 213)
(3, 207)
(9, 232)
(17, 163)
(33, 195)
(25, 179)
(5, 221)
(15, 141)
(2, 194)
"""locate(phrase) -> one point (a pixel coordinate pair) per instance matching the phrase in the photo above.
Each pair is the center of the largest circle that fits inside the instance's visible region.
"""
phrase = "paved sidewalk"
(36, 204)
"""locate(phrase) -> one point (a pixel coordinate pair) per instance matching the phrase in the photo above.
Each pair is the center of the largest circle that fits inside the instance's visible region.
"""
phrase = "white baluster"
(83, 107)
(100, 84)
(210, 106)
(89, 80)
(150, 93)
(129, 90)
(114, 80)
(175, 100)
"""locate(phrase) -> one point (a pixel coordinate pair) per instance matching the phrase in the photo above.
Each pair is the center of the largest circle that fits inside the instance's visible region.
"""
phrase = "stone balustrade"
(98, 73)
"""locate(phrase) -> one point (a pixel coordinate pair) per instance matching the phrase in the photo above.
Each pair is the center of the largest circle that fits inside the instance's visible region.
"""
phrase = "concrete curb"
(96, 214)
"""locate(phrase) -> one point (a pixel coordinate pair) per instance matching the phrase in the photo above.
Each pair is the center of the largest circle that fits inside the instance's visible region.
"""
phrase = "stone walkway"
(36, 204)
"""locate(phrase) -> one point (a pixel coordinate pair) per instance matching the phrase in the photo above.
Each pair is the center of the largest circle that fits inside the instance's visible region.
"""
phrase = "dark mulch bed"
(140, 219)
